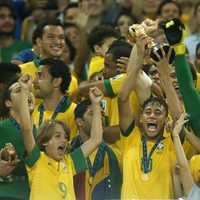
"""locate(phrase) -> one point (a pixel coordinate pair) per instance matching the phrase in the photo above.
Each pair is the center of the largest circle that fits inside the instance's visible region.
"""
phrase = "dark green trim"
(129, 130)
(79, 160)
(33, 157)
(66, 105)
(36, 61)
(108, 87)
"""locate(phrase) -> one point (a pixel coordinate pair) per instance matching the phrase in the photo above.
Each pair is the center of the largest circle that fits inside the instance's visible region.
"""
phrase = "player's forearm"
(180, 154)
(96, 132)
(173, 100)
(193, 140)
(25, 122)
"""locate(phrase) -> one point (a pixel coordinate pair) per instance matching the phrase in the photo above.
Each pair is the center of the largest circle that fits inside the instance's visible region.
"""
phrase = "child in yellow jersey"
(49, 168)
(190, 188)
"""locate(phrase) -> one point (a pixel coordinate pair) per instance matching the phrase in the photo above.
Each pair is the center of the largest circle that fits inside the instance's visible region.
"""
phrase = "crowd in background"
(90, 108)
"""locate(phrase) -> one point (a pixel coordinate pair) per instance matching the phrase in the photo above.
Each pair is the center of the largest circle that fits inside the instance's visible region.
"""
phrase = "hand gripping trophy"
(145, 28)
(8, 153)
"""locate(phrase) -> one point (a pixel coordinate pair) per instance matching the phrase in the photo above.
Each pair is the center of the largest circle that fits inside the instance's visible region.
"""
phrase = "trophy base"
(158, 50)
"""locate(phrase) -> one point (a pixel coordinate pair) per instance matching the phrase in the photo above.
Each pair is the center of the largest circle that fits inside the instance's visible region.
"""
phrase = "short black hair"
(57, 68)
(70, 5)
(4, 111)
(99, 33)
(163, 3)
(81, 108)
(120, 48)
(8, 71)
(40, 27)
(159, 101)
(128, 14)
(197, 48)
(69, 24)
(4, 4)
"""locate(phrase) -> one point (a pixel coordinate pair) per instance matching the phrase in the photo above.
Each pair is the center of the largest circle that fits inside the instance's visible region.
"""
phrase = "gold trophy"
(8, 153)
(137, 29)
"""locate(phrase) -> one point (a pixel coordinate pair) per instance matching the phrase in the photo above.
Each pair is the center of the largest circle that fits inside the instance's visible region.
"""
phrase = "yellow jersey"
(52, 180)
(159, 184)
(195, 167)
(113, 86)
(198, 82)
(96, 65)
(31, 68)
(66, 114)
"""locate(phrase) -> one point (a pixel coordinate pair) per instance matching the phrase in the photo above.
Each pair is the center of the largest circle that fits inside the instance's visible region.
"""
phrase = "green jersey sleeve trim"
(33, 157)
(79, 160)
(129, 130)
(108, 87)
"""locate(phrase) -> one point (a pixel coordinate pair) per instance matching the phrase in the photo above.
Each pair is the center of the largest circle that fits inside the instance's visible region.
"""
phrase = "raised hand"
(25, 81)
(162, 64)
(96, 95)
(82, 17)
(183, 119)
(122, 64)
(150, 25)
(142, 43)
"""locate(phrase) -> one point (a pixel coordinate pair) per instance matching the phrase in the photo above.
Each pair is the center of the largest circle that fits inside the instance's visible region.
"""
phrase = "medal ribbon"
(92, 169)
(57, 110)
(16, 125)
(146, 159)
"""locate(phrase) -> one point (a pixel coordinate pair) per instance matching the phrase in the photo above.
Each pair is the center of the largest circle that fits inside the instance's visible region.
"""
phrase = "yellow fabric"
(112, 107)
(101, 174)
(198, 82)
(47, 179)
(195, 167)
(159, 185)
(189, 150)
(96, 65)
(31, 68)
(67, 117)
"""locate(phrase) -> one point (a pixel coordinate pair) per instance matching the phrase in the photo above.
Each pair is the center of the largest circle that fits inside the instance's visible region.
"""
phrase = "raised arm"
(96, 130)
(164, 69)
(185, 175)
(25, 117)
(193, 139)
(174, 31)
(142, 83)
(126, 116)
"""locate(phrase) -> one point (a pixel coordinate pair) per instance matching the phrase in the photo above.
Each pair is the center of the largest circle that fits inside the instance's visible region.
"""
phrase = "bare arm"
(96, 131)
(85, 86)
(186, 177)
(25, 118)
(82, 52)
(164, 69)
(142, 83)
(193, 139)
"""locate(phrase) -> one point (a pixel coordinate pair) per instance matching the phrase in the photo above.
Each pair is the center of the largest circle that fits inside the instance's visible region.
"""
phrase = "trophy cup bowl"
(152, 47)
(8, 153)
